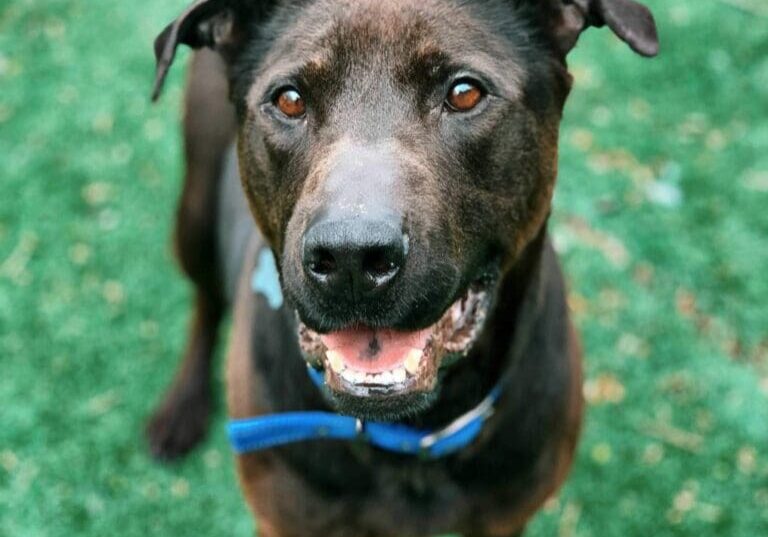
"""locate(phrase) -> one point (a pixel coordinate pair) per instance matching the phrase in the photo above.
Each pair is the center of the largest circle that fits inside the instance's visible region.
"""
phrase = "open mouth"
(382, 363)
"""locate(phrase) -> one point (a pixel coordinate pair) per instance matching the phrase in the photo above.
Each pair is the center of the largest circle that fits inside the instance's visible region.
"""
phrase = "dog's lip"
(375, 362)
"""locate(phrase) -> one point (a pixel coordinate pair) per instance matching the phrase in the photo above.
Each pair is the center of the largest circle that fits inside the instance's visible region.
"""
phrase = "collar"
(264, 432)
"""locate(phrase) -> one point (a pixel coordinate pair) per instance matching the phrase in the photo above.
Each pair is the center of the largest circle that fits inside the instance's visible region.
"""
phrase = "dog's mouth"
(381, 363)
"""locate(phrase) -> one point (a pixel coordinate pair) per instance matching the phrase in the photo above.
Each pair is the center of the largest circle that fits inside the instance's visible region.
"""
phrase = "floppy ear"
(631, 21)
(217, 24)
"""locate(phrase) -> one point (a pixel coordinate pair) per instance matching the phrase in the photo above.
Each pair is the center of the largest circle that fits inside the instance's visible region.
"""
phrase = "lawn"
(661, 220)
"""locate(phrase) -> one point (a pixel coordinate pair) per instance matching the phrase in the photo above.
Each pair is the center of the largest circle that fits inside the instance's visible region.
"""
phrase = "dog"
(368, 187)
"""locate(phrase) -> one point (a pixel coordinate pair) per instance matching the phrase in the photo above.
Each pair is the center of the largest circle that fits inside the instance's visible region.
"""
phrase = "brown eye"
(290, 103)
(464, 95)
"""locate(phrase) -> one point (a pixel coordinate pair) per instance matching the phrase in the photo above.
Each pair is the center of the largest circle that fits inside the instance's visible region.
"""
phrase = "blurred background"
(661, 220)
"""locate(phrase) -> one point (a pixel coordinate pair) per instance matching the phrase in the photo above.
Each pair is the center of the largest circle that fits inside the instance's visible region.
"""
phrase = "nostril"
(323, 263)
(379, 263)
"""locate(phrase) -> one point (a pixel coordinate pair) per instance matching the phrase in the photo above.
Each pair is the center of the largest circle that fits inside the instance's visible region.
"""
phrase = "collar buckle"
(481, 412)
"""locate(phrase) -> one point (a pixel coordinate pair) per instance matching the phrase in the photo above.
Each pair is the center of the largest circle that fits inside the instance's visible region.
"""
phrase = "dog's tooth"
(370, 379)
(386, 377)
(348, 375)
(413, 360)
(398, 375)
(456, 312)
(336, 361)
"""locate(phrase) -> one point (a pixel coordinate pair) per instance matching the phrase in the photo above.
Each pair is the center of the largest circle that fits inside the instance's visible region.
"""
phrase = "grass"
(660, 218)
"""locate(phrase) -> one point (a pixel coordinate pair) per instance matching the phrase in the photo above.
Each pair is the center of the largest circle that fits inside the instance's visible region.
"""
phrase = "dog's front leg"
(181, 420)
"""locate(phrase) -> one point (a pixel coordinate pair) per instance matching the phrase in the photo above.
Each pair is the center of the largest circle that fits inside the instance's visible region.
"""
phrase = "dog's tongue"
(374, 351)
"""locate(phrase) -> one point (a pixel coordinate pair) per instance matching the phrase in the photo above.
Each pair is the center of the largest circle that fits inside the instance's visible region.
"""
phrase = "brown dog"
(398, 158)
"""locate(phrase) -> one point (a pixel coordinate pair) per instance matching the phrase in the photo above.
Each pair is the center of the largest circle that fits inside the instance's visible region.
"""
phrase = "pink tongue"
(374, 351)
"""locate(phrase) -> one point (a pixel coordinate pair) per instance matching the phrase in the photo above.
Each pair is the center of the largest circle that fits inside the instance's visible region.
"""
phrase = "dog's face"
(397, 157)
(396, 154)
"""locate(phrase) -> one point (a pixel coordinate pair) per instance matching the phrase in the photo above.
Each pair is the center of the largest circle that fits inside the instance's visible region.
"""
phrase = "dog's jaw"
(383, 365)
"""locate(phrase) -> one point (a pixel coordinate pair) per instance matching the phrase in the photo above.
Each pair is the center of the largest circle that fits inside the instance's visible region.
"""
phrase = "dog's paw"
(178, 425)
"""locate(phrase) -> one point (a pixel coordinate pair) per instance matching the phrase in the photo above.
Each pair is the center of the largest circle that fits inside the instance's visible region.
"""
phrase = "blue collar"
(263, 432)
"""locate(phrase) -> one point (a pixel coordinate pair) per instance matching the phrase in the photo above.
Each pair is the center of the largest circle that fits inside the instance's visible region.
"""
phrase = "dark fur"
(181, 421)
(473, 194)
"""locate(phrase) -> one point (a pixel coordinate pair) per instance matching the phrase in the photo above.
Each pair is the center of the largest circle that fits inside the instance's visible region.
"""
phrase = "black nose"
(353, 258)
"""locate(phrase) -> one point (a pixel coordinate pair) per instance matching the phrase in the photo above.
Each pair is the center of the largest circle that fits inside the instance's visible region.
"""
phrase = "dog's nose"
(352, 259)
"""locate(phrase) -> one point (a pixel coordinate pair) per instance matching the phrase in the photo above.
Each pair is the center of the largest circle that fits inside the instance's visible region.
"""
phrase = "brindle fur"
(475, 193)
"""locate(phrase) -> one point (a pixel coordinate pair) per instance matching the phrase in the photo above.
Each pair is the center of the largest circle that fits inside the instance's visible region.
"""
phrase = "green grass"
(670, 298)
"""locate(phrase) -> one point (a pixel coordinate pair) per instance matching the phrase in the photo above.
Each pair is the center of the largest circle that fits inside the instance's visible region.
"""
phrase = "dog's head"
(397, 156)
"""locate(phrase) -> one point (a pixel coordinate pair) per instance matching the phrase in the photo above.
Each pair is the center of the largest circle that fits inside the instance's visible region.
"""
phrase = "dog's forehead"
(328, 36)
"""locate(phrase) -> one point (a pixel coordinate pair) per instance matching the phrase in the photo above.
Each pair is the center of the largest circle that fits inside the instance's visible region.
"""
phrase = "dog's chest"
(334, 491)
(358, 499)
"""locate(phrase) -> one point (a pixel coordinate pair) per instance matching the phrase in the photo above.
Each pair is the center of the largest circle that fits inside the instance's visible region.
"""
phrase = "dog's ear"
(631, 21)
(216, 24)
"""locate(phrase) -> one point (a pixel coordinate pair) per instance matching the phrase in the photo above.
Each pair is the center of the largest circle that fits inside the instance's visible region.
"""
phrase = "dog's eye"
(289, 102)
(464, 95)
